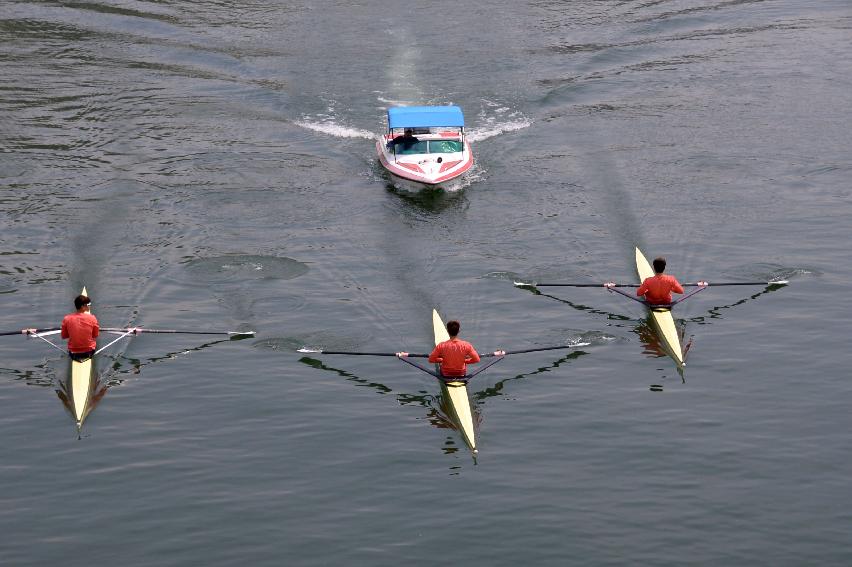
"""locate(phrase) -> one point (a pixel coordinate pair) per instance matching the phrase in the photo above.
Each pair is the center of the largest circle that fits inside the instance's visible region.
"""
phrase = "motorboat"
(425, 144)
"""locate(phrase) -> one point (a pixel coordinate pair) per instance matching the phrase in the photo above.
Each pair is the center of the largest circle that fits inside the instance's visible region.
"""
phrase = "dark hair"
(453, 328)
(659, 265)
(81, 300)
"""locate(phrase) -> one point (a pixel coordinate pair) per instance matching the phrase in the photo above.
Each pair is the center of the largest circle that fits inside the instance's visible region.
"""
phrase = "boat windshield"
(444, 146)
(419, 147)
(429, 147)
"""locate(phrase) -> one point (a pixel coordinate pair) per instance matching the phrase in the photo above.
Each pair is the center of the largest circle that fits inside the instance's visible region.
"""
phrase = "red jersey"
(658, 289)
(80, 329)
(454, 356)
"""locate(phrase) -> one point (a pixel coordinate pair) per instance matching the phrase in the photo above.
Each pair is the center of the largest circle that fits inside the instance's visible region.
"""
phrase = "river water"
(210, 165)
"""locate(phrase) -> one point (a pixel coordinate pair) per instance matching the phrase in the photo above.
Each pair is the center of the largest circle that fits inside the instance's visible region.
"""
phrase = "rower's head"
(453, 328)
(81, 302)
(408, 132)
(659, 265)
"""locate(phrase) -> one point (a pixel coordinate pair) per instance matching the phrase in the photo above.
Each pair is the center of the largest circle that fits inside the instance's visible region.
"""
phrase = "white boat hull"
(429, 170)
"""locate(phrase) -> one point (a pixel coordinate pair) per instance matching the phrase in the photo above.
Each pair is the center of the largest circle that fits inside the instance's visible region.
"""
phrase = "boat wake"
(495, 119)
(481, 133)
(328, 126)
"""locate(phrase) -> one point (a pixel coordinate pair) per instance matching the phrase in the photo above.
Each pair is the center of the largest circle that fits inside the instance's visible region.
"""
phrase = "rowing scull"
(82, 374)
(661, 317)
(80, 387)
(454, 391)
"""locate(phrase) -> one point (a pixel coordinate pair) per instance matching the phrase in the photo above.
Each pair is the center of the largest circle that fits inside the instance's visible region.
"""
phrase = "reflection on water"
(497, 389)
(43, 375)
(652, 345)
(715, 312)
(437, 409)
(428, 200)
(116, 369)
(95, 391)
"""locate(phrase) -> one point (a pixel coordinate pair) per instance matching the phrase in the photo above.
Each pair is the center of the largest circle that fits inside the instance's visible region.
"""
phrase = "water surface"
(211, 165)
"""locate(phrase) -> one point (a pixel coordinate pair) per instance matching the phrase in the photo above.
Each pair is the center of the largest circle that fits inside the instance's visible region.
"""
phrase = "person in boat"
(407, 139)
(658, 289)
(454, 354)
(81, 329)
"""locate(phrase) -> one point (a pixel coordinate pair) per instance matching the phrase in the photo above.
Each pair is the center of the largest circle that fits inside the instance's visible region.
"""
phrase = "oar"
(122, 335)
(607, 284)
(413, 355)
(44, 333)
(350, 353)
(28, 331)
(707, 284)
(612, 284)
(139, 330)
(508, 352)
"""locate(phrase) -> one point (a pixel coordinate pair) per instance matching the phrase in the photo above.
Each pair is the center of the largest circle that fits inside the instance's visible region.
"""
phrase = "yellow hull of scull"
(82, 377)
(455, 393)
(661, 318)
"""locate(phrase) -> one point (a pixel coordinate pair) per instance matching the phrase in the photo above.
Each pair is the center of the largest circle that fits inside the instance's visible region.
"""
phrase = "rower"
(454, 354)
(658, 288)
(81, 329)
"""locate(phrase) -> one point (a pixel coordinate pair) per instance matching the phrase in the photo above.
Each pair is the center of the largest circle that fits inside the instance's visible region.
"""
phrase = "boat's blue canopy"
(425, 116)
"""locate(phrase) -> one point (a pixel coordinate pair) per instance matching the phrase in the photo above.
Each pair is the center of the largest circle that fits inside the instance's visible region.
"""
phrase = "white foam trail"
(496, 118)
(336, 130)
(490, 130)
(386, 102)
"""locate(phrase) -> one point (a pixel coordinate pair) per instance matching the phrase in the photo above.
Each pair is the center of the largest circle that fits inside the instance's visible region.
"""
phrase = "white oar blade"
(309, 350)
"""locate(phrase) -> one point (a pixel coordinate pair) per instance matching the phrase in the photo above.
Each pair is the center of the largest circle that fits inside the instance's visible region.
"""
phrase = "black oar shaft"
(782, 282)
(691, 284)
(539, 349)
(168, 332)
(581, 285)
(508, 352)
